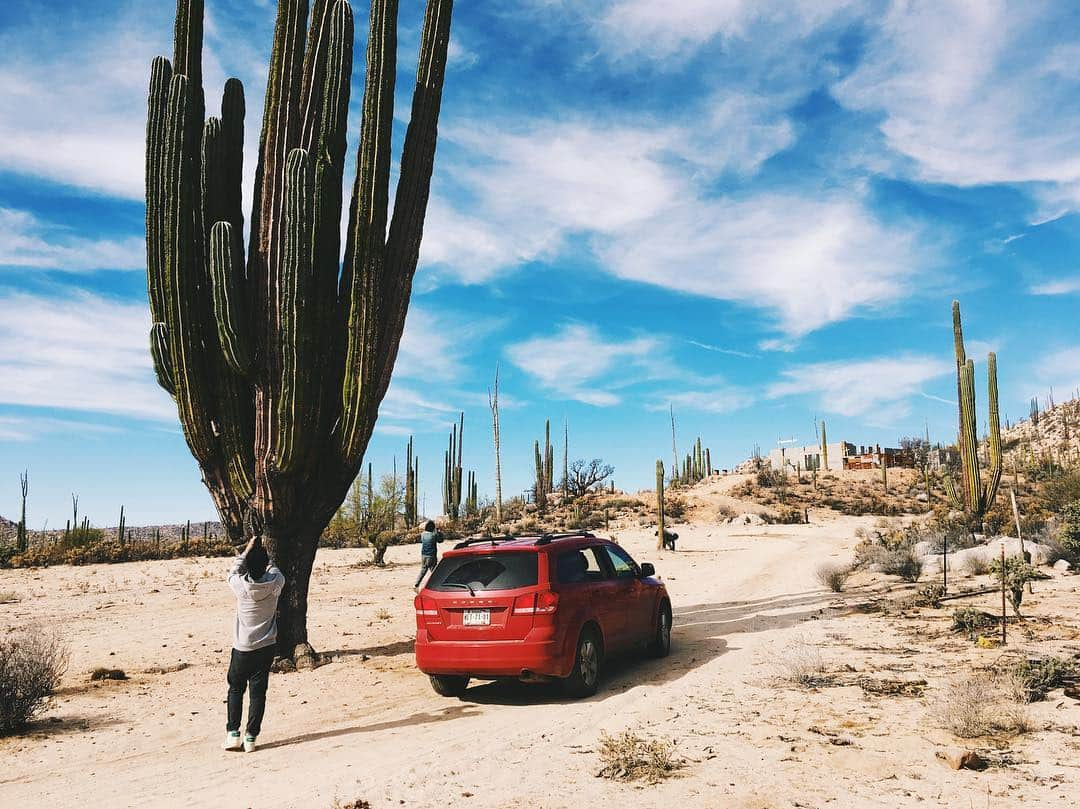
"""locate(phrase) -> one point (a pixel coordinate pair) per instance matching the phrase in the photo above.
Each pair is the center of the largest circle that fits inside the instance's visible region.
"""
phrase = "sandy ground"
(369, 726)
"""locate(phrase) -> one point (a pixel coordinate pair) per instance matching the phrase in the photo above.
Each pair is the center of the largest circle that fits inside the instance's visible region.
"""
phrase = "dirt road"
(368, 725)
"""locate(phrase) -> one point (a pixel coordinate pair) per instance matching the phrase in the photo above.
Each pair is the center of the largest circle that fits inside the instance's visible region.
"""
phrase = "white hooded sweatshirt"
(256, 606)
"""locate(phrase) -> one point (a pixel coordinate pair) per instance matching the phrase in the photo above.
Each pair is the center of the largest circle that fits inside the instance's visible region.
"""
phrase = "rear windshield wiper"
(457, 584)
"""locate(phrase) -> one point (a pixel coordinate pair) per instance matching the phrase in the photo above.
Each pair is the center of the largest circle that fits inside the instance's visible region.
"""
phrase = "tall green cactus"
(22, 541)
(975, 498)
(278, 359)
(452, 471)
(540, 484)
(120, 534)
(824, 446)
(659, 505)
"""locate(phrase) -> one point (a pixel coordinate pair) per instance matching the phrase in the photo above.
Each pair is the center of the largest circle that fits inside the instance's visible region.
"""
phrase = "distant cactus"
(659, 505)
(121, 534)
(976, 498)
(540, 483)
(452, 471)
(278, 359)
(412, 474)
(22, 542)
(824, 446)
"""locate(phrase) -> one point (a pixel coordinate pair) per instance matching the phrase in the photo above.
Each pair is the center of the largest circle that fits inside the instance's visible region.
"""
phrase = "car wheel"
(661, 642)
(585, 676)
(449, 685)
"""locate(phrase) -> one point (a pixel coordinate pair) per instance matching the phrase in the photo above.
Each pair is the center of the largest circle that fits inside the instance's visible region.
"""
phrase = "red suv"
(537, 608)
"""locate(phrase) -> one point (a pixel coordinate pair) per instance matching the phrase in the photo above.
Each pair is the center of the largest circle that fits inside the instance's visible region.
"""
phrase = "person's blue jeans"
(426, 563)
(250, 671)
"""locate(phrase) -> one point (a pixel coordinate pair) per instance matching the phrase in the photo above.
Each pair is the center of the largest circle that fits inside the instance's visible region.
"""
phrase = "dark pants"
(249, 670)
(426, 563)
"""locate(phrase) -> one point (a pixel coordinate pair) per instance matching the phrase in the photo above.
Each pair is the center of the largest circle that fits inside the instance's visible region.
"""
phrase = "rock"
(747, 519)
(1062, 566)
(960, 759)
(1071, 691)
(986, 554)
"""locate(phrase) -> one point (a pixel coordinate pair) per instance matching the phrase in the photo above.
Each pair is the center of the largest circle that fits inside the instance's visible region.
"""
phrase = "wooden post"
(1004, 616)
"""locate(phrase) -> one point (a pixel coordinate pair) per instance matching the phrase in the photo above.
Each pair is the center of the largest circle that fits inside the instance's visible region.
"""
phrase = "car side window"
(578, 566)
(622, 565)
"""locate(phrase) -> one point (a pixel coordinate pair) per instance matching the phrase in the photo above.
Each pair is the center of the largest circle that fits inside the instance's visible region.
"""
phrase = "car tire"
(585, 676)
(660, 646)
(449, 685)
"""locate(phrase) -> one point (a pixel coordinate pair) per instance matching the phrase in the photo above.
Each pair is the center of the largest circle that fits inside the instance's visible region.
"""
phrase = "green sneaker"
(232, 740)
(249, 744)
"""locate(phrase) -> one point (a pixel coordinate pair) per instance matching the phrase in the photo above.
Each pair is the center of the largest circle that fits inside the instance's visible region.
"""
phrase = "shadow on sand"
(420, 718)
(698, 637)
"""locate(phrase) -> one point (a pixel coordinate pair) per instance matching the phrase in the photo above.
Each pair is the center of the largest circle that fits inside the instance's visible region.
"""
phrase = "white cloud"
(809, 261)
(1061, 286)
(1060, 370)
(875, 389)
(660, 31)
(577, 362)
(717, 401)
(965, 92)
(20, 428)
(81, 352)
(26, 241)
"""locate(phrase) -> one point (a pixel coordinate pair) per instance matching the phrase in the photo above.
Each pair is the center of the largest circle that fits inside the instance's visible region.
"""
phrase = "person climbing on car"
(429, 552)
(257, 584)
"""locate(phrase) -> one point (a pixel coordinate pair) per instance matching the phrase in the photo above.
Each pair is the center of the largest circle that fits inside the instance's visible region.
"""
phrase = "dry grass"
(799, 664)
(630, 757)
(9, 597)
(974, 566)
(32, 663)
(984, 703)
(384, 615)
(833, 576)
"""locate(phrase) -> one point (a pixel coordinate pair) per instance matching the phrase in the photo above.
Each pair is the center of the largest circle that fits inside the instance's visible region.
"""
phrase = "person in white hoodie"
(257, 584)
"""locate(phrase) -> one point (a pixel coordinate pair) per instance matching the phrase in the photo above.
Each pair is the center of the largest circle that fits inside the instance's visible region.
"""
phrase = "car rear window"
(495, 571)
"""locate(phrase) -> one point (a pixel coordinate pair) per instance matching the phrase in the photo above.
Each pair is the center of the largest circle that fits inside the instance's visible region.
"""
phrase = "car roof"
(523, 542)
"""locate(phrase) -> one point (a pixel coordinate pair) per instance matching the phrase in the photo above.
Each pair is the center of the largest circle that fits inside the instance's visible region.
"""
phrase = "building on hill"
(842, 455)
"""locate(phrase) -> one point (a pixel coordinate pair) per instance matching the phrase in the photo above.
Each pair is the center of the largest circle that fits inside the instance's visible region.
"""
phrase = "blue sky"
(757, 212)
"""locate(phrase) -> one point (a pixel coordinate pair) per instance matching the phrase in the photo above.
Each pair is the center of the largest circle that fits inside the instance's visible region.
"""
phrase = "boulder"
(986, 553)
(747, 519)
(1062, 566)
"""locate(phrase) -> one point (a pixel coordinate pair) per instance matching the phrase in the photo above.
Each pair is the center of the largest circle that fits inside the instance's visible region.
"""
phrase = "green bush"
(110, 551)
(1039, 677)
(1069, 535)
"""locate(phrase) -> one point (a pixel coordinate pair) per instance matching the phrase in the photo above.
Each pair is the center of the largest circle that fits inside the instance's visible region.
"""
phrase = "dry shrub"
(8, 597)
(904, 563)
(630, 757)
(32, 663)
(984, 703)
(359, 803)
(1041, 676)
(976, 566)
(833, 576)
(800, 664)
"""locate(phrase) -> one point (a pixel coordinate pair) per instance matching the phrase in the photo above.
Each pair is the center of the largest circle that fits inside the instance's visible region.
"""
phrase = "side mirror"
(647, 570)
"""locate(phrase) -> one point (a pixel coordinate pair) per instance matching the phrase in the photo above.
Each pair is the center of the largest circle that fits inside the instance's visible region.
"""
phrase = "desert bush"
(630, 757)
(1039, 677)
(8, 597)
(674, 507)
(1060, 491)
(983, 703)
(976, 566)
(1069, 533)
(971, 620)
(800, 664)
(833, 576)
(788, 516)
(110, 552)
(724, 512)
(930, 595)
(1015, 574)
(904, 563)
(32, 663)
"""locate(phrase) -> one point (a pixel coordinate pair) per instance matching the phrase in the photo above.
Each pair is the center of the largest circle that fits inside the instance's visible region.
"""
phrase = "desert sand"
(368, 726)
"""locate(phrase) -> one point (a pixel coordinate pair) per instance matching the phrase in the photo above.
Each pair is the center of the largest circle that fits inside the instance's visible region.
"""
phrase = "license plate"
(476, 618)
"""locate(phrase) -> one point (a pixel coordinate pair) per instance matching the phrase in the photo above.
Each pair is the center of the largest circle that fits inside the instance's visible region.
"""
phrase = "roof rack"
(541, 539)
(480, 540)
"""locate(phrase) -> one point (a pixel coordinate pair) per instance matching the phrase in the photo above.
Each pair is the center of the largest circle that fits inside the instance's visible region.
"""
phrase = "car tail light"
(425, 607)
(547, 602)
(525, 605)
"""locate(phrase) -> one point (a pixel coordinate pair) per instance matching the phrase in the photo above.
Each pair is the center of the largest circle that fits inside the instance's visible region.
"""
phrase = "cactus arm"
(969, 437)
(159, 353)
(227, 292)
(961, 361)
(365, 243)
(156, 124)
(994, 427)
(414, 182)
(294, 288)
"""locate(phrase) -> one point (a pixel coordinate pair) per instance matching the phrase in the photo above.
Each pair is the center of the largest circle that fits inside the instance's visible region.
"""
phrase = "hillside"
(1054, 434)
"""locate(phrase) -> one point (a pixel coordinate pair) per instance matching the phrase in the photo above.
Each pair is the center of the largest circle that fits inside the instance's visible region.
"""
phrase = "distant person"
(429, 551)
(257, 585)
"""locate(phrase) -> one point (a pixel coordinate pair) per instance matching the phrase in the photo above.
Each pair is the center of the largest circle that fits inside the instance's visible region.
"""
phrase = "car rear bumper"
(543, 655)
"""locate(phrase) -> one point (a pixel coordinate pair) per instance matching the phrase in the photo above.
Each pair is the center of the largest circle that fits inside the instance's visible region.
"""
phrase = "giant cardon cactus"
(278, 359)
(976, 497)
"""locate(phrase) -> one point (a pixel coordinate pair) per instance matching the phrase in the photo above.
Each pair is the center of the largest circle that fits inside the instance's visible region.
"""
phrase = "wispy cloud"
(961, 95)
(26, 241)
(719, 350)
(874, 389)
(1060, 286)
(79, 352)
(716, 400)
(27, 428)
(578, 363)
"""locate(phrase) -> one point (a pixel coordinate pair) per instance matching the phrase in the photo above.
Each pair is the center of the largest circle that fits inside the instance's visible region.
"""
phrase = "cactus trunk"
(278, 359)
(659, 505)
